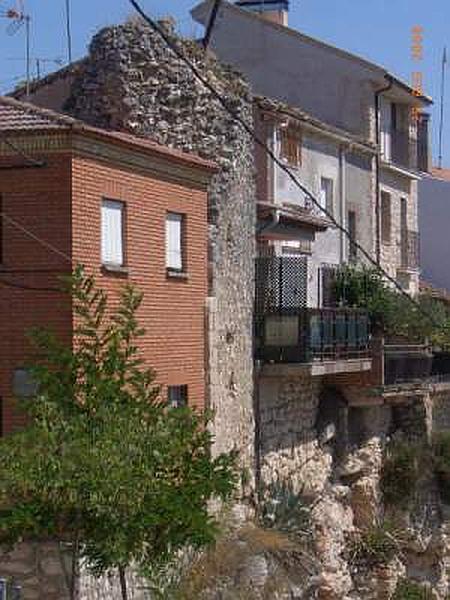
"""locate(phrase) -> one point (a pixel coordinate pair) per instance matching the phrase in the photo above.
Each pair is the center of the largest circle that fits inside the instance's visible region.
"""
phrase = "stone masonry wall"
(289, 445)
(130, 81)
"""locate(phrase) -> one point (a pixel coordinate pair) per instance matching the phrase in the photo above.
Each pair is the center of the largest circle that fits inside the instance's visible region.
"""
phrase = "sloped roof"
(203, 9)
(21, 117)
(443, 174)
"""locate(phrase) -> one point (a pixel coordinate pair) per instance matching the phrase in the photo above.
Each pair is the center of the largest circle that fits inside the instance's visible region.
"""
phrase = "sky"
(379, 30)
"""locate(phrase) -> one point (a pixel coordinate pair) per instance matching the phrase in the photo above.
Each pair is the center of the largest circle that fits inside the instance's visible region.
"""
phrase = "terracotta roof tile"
(19, 117)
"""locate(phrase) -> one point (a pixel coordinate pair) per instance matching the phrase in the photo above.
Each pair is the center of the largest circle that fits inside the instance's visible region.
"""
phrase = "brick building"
(130, 210)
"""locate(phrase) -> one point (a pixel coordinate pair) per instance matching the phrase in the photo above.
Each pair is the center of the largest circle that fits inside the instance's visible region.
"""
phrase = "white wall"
(328, 85)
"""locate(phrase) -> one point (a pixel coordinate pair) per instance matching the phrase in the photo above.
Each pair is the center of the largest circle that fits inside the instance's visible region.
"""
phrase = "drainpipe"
(377, 167)
(342, 199)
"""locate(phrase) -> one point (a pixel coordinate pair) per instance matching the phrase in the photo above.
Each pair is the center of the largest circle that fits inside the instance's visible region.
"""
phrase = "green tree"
(104, 464)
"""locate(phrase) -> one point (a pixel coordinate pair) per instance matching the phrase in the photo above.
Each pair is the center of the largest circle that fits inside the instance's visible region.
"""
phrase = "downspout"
(377, 167)
(342, 199)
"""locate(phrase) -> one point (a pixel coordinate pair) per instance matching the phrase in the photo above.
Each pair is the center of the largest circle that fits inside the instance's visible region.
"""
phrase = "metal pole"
(212, 22)
(68, 30)
(27, 23)
(441, 124)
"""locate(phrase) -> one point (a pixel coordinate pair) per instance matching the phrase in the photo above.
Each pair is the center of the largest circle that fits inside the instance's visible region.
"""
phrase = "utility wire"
(34, 237)
(180, 54)
(31, 162)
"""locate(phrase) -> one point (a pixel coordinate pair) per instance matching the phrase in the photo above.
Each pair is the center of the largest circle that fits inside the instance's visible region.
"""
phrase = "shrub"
(375, 547)
(286, 511)
(400, 473)
(392, 313)
(410, 590)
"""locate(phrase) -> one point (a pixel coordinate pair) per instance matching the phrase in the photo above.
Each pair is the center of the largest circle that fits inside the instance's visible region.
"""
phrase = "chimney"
(273, 10)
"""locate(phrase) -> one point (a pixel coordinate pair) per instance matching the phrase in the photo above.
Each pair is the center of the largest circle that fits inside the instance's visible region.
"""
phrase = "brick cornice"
(141, 160)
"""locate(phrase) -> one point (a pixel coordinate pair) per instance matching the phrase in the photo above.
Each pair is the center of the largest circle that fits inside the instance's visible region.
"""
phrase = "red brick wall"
(172, 310)
(39, 200)
(45, 201)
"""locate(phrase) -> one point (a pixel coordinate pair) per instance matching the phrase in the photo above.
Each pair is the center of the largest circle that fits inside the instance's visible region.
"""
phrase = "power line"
(166, 38)
(32, 162)
(34, 237)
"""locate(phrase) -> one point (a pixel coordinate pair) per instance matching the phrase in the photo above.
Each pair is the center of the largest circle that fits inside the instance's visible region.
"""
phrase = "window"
(385, 218)
(177, 396)
(326, 194)
(24, 386)
(175, 241)
(351, 223)
(112, 232)
(290, 146)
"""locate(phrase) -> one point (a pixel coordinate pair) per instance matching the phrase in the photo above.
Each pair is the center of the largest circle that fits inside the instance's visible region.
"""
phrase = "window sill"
(118, 270)
(173, 274)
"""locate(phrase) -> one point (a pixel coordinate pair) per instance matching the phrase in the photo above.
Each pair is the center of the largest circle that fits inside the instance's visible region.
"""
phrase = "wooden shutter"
(112, 232)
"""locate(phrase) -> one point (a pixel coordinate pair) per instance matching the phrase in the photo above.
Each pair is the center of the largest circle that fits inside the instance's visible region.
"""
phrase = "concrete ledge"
(316, 369)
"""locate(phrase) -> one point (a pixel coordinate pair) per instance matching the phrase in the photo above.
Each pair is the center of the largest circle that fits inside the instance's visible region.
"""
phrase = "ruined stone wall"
(131, 81)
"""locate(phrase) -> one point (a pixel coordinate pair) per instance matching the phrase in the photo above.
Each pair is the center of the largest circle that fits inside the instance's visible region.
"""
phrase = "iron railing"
(312, 334)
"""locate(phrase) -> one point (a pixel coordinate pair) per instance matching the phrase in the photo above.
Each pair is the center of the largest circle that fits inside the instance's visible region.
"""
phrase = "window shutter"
(174, 253)
(112, 232)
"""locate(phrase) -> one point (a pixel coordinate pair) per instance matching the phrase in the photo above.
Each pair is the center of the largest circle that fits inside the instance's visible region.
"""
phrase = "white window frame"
(175, 223)
(327, 194)
(112, 250)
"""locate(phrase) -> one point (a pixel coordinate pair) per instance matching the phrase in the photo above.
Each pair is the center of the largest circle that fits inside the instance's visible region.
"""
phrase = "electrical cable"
(32, 162)
(250, 131)
(45, 244)
(34, 237)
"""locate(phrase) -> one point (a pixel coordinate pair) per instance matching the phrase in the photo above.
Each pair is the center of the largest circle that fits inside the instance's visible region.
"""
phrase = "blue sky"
(376, 29)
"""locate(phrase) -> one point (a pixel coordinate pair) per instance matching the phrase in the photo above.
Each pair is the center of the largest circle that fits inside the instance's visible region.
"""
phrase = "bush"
(410, 590)
(375, 547)
(285, 511)
(392, 313)
(400, 473)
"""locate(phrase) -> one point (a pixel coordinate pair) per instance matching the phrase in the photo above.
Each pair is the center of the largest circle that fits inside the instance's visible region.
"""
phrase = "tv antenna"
(17, 19)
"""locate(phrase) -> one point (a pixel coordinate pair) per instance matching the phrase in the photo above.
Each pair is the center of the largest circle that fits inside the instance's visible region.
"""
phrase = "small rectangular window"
(112, 232)
(385, 217)
(326, 194)
(174, 241)
(351, 225)
(177, 396)
(290, 146)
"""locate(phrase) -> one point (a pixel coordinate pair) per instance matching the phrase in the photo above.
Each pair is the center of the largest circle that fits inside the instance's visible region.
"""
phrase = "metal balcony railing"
(312, 334)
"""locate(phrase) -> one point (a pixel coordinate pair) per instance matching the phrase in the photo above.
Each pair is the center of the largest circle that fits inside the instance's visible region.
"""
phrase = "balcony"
(308, 335)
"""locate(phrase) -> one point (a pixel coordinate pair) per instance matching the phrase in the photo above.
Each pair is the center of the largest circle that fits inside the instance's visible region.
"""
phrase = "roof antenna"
(18, 17)
(441, 124)
(68, 32)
